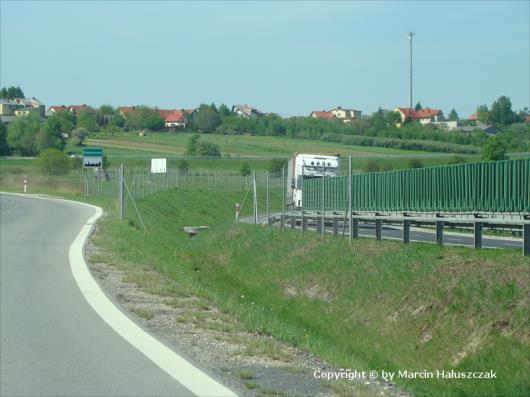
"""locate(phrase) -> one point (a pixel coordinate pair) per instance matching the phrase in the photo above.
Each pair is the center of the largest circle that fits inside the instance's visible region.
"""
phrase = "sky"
(285, 57)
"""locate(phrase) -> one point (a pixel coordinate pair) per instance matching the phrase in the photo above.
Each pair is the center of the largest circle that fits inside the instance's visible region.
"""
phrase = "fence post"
(283, 199)
(121, 195)
(323, 228)
(477, 235)
(255, 197)
(86, 183)
(350, 205)
(302, 200)
(267, 183)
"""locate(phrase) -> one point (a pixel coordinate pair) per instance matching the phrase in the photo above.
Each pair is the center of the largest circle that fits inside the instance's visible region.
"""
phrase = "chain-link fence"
(142, 183)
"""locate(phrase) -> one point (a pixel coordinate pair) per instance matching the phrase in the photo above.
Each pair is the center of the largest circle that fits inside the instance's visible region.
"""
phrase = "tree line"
(28, 135)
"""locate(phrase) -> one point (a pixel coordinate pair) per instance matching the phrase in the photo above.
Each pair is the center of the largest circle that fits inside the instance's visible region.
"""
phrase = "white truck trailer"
(310, 166)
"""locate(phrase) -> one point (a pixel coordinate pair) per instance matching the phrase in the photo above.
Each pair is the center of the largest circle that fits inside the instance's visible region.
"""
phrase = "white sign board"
(92, 162)
(158, 166)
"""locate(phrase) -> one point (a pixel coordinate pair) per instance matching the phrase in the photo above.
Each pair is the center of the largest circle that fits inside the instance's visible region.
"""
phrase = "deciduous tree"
(494, 150)
(501, 112)
(22, 134)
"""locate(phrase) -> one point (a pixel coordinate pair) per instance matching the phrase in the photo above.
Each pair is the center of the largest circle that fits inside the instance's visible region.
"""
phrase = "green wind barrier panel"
(497, 186)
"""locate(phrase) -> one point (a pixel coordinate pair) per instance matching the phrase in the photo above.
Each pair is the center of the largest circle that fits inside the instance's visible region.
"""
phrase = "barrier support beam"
(354, 228)
(319, 224)
(439, 232)
(477, 235)
(378, 227)
(406, 231)
(526, 239)
(293, 222)
(335, 226)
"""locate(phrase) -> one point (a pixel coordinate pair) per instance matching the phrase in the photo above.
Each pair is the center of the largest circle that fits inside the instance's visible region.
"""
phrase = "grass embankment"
(371, 305)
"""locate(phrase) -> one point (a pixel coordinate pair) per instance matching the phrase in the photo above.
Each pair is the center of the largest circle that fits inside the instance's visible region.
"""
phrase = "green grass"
(371, 305)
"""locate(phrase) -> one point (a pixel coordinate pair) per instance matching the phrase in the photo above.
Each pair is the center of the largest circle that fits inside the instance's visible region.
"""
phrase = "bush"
(78, 136)
(457, 160)
(494, 150)
(54, 162)
(245, 169)
(276, 165)
(193, 145)
(371, 166)
(208, 149)
(183, 165)
(416, 163)
(77, 163)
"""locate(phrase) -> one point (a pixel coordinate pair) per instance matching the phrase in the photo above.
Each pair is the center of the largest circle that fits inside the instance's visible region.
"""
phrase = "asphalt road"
(52, 342)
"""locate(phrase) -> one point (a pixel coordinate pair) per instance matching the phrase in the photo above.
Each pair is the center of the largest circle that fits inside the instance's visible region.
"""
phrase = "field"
(258, 151)
(238, 145)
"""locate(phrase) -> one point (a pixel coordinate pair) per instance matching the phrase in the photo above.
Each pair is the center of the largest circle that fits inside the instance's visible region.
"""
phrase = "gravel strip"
(251, 364)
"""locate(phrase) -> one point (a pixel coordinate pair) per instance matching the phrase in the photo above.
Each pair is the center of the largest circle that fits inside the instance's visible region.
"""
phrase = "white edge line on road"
(176, 366)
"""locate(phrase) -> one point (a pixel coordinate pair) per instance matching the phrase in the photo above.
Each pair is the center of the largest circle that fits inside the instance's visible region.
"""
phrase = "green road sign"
(92, 152)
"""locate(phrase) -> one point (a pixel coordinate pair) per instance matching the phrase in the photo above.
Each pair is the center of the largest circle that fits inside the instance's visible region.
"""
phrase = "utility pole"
(411, 35)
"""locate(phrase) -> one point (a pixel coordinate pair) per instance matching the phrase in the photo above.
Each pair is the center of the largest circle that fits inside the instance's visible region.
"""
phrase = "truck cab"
(308, 166)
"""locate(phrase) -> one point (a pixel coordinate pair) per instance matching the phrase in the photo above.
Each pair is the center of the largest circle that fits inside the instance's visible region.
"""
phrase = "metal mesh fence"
(142, 183)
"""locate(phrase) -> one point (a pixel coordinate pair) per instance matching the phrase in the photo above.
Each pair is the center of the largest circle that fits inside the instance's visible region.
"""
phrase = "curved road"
(52, 342)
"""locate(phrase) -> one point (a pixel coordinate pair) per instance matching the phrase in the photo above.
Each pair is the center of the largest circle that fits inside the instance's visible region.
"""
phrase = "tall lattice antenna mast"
(411, 35)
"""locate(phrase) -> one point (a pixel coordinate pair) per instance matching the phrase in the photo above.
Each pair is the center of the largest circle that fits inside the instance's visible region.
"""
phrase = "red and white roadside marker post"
(238, 210)
(25, 185)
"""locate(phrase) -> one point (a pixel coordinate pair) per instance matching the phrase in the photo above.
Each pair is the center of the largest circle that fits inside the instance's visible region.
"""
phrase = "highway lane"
(52, 342)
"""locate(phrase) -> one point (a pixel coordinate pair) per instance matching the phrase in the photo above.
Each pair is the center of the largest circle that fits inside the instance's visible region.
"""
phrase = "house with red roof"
(75, 109)
(173, 118)
(344, 115)
(58, 109)
(423, 116)
(72, 109)
(125, 110)
(323, 115)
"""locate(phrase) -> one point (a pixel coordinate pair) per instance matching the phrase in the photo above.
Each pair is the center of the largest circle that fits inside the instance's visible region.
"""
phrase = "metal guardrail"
(351, 224)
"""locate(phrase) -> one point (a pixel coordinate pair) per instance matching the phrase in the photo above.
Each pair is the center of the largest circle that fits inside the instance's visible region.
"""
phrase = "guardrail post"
(282, 221)
(406, 231)
(293, 221)
(378, 224)
(526, 239)
(439, 232)
(335, 226)
(319, 225)
(477, 235)
(304, 223)
(354, 228)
